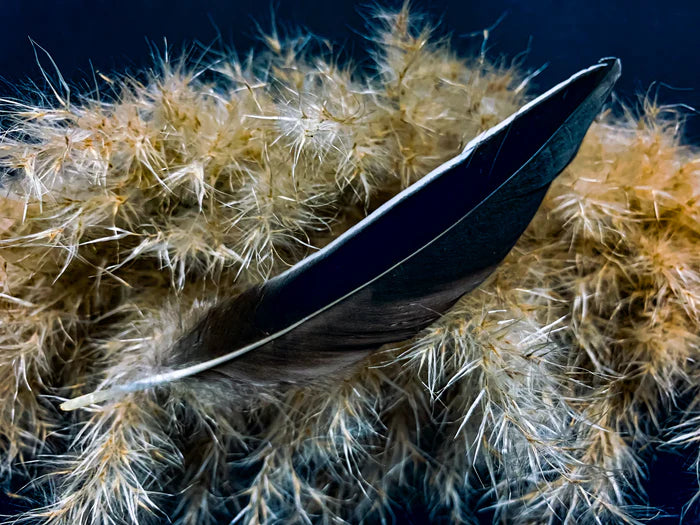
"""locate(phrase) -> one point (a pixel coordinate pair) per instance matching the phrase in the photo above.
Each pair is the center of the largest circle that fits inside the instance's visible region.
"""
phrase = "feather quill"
(399, 269)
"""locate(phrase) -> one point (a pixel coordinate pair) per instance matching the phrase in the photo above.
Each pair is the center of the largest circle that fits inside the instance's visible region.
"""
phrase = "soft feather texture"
(535, 398)
(330, 309)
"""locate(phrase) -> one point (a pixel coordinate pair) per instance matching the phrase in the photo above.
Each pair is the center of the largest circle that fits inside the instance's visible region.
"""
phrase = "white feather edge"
(100, 396)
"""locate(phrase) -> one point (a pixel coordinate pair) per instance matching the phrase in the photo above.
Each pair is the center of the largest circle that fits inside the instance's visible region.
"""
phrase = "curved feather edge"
(394, 303)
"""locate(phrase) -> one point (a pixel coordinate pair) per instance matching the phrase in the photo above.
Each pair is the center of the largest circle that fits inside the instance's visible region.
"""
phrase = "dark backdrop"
(658, 42)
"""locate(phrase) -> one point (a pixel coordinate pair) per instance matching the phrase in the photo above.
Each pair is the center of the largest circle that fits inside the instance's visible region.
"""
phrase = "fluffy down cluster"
(127, 214)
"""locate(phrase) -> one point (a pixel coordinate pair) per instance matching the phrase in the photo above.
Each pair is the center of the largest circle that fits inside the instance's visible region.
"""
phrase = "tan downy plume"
(334, 307)
(130, 217)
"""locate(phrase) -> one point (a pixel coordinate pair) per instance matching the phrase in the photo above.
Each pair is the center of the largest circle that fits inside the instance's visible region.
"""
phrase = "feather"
(399, 269)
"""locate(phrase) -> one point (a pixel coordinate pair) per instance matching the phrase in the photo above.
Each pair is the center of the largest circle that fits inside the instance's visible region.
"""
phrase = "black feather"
(403, 266)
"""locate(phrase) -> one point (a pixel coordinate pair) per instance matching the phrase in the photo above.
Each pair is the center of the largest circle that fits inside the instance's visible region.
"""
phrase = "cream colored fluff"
(128, 216)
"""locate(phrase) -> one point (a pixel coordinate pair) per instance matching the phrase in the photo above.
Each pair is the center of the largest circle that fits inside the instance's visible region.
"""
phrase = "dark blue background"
(657, 42)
